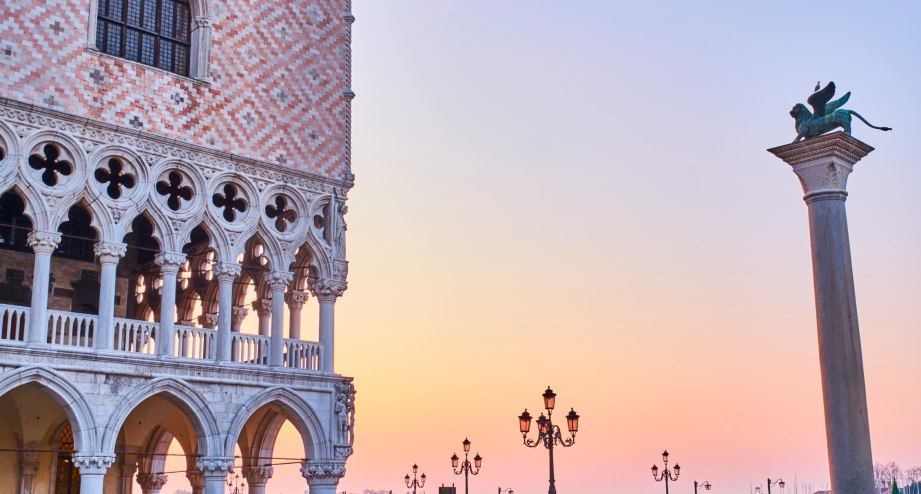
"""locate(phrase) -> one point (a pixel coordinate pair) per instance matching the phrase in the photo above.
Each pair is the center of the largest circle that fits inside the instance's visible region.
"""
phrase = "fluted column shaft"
(823, 165)
(43, 244)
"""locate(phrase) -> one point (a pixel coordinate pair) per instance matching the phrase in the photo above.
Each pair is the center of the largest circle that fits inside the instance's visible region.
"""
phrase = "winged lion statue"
(826, 115)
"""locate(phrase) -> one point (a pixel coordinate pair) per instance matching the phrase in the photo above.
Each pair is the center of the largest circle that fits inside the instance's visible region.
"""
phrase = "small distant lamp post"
(236, 487)
(779, 482)
(509, 491)
(706, 485)
(549, 435)
(666, 473)
(414, 482)
(466, 468)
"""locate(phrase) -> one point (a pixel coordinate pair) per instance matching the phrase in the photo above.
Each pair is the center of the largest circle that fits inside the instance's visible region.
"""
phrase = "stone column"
(215, 471)
(323, 478)
(295, 300)
(108, 254)
(208, 321)
(151, 483)
(169, 263)
(263, 308)
(43, 244)
(196, 480)
(822, 165)
(278, 283)
(257, 477)
(125, 474)
(239, 313)
(326, 292)
(226, 272)
(28, 467)
(92, 472)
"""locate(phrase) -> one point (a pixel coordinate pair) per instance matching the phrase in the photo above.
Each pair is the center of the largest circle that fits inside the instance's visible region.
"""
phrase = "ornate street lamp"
(466, 468)
(706, 485)
(549, 435)
(666, 473)
(420, 482)
(779, 482)
(509, 491)
(236, 487)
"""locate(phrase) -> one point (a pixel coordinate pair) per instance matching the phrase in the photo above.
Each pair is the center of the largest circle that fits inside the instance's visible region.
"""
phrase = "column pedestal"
(823, 165)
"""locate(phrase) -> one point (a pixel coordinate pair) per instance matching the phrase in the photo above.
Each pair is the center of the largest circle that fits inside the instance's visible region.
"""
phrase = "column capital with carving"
(279, 280)
(226, 271)
(151, 481)
(263, 307)
(213, 466)
(823, 163)
(326, 290)
(170, 261)
(258, 475)
(110, 252)
(295, 299)
(322, 473)
(93, 464)
(44, 242)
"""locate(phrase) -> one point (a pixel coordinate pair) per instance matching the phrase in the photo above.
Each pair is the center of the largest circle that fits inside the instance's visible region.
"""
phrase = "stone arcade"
(169, 168)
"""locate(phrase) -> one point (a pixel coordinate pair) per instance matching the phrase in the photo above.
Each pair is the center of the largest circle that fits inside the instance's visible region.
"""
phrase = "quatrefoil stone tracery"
(281, 213)
(115, 177)
(230, 202)
(51, 165)
(173, 189)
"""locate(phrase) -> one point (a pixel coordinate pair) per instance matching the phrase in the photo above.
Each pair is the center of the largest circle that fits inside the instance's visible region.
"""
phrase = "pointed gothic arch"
(317, 446)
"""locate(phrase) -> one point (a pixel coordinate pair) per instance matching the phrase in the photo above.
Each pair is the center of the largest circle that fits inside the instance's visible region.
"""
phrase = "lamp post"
(466, 468)
(666, 473)
(548, 434)
(779, 482)
(706, 485)
(420, 482)
(236, 486)
(509, 491)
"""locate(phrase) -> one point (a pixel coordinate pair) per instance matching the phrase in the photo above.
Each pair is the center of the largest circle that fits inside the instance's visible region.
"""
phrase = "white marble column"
(170, 263)
(151, 483)
(43, 244)
(322, 477)
(257, 477)
(823, 165)
(226, 272)
(108, 255)
(215, 471)
(239, 313)
(326, 292)
(263, 308)
(196, 480)
(92, 472)
(295, 300)
(278, 283)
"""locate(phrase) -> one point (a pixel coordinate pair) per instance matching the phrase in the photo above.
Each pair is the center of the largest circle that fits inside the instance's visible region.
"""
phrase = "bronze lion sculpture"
(826, 116)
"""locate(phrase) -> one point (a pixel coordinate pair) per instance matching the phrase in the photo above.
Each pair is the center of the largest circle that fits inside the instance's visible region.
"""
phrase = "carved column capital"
(214, 466)
(279, 280)
(44, 242)
(258, 475)
(824, 163)
(93, 464)
(263, 307)
(295, 299)
(170, 261)
(196, 478)
(326, 290)
(322, 474)
(239, 312)
(226, 271)
(208, 320)
(110, 252)
(151, 481)
(203, 22)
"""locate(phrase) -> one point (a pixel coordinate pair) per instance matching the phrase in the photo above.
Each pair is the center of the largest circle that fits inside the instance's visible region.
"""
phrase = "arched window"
(152, 32)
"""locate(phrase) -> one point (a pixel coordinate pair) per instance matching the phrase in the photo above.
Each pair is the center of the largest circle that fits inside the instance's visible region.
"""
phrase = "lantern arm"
(558, 437)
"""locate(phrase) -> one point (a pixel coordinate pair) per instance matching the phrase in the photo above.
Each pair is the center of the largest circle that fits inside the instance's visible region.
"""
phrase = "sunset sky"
(577, 194)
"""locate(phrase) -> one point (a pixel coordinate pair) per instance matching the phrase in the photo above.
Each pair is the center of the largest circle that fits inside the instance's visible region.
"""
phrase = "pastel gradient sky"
(577, 194)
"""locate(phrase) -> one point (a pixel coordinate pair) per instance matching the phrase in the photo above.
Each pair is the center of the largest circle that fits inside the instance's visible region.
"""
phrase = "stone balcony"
(74, 334)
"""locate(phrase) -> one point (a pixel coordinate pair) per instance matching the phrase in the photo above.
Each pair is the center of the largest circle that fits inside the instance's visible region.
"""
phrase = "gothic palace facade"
(170, 169)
